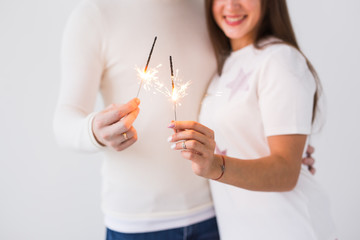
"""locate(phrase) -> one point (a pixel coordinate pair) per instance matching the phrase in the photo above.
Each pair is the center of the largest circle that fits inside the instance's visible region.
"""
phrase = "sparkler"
(147, 77)
(173, 97)
(178, 90)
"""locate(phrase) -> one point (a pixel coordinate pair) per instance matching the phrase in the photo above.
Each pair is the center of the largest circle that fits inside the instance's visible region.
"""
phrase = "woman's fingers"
(194, 142)
(191, 125)
(197, 160)
(309, 160)
(190, 134)
(205, 166)
(190, 145)
(194, 137)
(310, 150)
(197, 144)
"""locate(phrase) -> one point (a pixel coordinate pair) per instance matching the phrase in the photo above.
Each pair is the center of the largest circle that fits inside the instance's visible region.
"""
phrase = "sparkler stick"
(178, 87)
(173, 86)
(147, 64)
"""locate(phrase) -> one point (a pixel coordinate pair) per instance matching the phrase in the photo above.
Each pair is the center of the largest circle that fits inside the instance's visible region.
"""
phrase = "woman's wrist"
(220, 166)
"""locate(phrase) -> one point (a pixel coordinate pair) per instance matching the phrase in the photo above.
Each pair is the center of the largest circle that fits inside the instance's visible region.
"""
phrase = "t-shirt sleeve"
(286, 93)
(82, 67)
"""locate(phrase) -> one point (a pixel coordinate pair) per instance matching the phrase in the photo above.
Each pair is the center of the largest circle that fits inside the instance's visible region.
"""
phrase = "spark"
(178, 92)
(149, 78)
(146, 76)
(178, 88)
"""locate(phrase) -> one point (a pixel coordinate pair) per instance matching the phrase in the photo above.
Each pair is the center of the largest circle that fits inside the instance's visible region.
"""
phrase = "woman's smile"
(234, 20)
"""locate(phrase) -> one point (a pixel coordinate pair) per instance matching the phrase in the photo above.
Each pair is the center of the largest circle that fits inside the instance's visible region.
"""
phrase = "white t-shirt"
(148, 186)
(262, 93)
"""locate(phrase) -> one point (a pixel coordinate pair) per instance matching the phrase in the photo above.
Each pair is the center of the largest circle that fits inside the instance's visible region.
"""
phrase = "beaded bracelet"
(222, 168)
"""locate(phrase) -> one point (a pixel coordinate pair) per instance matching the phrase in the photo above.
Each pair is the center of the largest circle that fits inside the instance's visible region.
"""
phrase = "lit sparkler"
(148, 78)
(173, 97)
(178, 90)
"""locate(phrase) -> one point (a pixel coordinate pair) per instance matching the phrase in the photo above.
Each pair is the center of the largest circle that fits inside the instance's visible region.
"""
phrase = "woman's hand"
(197, 144)
(112, 127)
(309, 160)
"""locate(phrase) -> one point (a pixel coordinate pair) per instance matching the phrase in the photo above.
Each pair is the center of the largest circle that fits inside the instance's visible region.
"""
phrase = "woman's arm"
(277, 172)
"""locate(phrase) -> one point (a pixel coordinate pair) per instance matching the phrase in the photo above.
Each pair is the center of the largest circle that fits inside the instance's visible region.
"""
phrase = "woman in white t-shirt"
(261, 106)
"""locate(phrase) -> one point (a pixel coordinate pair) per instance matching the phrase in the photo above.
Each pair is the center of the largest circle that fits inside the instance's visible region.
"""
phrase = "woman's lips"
(234, 20)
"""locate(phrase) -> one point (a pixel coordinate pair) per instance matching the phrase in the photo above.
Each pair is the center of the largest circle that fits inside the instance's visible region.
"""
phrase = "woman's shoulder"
(279, 59)
(274, 49)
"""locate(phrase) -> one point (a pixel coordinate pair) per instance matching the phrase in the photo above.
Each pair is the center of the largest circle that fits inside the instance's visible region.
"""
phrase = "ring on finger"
(184, 145)
(125, 136)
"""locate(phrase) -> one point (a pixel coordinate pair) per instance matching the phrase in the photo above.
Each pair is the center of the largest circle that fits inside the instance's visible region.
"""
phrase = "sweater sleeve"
(82, 67)
(286, 93)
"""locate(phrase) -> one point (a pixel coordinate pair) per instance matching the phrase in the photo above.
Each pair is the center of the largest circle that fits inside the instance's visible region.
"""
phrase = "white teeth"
(234, 19)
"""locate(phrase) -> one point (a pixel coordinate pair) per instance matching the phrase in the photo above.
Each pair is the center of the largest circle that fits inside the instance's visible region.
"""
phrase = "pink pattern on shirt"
(218, 151)
(240, 83)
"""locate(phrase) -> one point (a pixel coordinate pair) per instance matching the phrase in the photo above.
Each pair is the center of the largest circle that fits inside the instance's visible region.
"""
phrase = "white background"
(51, 193)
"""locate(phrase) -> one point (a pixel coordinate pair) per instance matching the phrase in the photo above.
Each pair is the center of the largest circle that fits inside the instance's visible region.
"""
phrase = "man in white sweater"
(147, 188)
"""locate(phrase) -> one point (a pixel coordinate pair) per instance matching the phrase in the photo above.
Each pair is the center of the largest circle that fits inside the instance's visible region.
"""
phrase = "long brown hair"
(274, 21)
